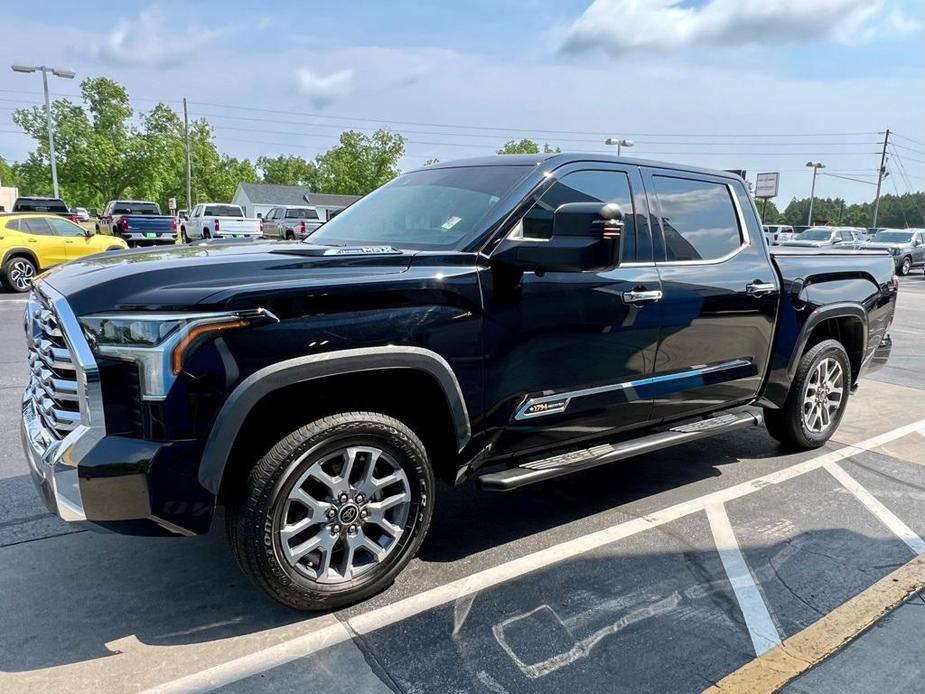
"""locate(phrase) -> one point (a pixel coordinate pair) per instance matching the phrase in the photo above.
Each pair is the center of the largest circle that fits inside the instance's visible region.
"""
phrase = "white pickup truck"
(212, 220)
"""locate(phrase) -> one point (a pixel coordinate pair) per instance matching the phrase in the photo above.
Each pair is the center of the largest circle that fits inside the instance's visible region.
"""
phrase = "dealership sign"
(766, 185)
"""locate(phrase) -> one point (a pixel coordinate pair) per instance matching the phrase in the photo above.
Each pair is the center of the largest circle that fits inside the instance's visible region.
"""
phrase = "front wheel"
(906, 266)
(817, 398)
(18, 273)
(334, 511)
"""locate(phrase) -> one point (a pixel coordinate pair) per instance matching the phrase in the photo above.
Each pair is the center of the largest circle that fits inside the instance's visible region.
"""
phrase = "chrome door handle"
(761, 288)
(642, 297)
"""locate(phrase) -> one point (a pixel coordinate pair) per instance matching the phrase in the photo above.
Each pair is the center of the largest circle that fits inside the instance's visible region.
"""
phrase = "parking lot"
(660, 574)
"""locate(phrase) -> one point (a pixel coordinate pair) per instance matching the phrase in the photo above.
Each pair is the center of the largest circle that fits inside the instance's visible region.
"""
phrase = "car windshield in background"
(893, 237)
(815, 235)
(224, 211)
(432, 208)
(136, 208)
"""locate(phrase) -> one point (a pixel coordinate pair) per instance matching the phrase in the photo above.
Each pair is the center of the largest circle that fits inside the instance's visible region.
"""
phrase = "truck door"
(720, 293)
(565, 350)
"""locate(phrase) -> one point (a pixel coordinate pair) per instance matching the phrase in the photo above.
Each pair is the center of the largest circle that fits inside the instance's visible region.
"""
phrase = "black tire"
(17, 273)
(206, 234)
(905, 267)
(787, 424)
(290, 236)
(183, 237)
(252, 521)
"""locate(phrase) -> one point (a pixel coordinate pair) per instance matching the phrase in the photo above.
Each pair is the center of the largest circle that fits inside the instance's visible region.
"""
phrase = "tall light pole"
(57, 72)
(815, 165)
(619, 142)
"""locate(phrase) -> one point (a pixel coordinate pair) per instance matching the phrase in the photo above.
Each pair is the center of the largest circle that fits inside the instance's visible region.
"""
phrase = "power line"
(905, 137)
(911, 149)
(848, 178)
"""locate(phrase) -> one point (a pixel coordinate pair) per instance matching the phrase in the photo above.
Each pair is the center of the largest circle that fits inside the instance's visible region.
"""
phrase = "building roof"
(274, 194)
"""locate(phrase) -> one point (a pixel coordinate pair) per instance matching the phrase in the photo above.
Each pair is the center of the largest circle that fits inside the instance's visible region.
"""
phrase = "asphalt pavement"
(659, 574)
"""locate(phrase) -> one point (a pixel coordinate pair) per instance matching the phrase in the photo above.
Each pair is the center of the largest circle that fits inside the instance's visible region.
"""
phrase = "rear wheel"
(18, 273)
(817, 398)
(289, 235)
(183, 236)
(906, 266)
(334, 511)
(206, 234)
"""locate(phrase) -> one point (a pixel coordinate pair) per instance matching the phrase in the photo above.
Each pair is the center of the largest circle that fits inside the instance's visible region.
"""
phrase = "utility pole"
(881, 174)
(189, 165)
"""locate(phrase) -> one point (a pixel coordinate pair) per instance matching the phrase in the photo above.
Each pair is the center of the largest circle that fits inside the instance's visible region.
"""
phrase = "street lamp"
(815, 165)
(57, 72)
(620, 143)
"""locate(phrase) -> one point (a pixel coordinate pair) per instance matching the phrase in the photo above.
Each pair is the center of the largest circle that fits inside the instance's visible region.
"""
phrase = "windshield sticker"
(451, 222)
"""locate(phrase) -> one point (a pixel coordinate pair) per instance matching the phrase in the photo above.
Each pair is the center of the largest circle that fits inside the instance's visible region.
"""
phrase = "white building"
(256, 199)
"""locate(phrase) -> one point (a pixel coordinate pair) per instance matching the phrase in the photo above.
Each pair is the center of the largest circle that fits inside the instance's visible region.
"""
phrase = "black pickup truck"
(507, 320)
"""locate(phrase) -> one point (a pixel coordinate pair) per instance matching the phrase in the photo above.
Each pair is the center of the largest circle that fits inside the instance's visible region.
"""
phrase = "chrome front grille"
(53, 381)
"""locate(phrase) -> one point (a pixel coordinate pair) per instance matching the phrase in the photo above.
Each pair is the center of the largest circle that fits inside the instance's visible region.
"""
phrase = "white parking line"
(758, 620)
(393, 613)
(883, 514)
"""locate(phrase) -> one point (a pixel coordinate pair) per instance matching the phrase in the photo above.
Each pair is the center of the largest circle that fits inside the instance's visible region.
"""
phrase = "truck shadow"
(505, 517)
(69, 599)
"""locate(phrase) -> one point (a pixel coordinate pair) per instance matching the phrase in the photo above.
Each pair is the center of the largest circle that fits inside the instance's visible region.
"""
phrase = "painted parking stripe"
(804, 650)
(758, 620)
(883, 514)
(386, 615)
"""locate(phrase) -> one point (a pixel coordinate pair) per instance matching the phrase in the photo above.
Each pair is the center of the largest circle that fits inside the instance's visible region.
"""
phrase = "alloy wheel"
(344, 515)
(22, 273)
(823, 395)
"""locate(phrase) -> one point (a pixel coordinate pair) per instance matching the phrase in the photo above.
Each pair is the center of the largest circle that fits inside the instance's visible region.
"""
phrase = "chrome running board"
(584, 458)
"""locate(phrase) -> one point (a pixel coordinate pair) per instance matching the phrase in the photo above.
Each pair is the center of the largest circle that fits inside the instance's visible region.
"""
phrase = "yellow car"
(32, 242)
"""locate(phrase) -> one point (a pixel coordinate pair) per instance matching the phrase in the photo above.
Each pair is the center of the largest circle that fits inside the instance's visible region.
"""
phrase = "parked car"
(776, 234)
(82, 214)
(212, 220)
(821, 237)
(32, 242)
(509, 319)
(33, 203)
(139, 222)
(907, 246)
(290, 222)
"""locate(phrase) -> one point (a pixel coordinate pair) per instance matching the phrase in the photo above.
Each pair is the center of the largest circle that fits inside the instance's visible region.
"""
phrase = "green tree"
(359, 163)
(287, 169)
(7, 174)
(768, 211)
(526, 146)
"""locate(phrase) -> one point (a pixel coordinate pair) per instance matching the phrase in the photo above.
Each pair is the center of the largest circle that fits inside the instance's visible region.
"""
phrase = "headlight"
(159, 343)
(894, 251)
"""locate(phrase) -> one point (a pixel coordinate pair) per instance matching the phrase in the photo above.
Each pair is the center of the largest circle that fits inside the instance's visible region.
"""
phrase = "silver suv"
(290, 222)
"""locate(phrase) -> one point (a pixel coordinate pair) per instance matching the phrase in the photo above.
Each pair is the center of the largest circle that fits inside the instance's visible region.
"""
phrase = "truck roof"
(560, 158)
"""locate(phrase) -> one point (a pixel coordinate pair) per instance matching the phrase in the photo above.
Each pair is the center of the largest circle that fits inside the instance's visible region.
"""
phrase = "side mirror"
(585, 237)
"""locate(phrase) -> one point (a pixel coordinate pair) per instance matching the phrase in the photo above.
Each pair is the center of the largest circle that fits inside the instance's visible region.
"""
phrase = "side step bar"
(585, 458)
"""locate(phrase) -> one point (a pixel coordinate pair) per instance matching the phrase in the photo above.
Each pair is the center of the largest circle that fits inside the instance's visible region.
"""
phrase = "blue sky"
(763, 85)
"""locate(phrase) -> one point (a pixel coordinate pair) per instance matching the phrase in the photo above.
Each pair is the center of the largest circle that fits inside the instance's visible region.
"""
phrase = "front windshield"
(893, 237)
(815, 235)
(429, 209)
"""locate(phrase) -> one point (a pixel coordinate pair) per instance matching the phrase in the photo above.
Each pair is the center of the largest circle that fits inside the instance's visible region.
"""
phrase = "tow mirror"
(586, 236)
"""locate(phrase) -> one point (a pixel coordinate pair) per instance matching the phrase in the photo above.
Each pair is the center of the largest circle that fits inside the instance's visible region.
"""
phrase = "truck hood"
(806, 244)
(215, 275)
(883, 245)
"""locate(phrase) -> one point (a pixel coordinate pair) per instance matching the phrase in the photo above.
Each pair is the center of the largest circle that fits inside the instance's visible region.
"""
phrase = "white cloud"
(149, 41)
(620, 26)
(322, 90)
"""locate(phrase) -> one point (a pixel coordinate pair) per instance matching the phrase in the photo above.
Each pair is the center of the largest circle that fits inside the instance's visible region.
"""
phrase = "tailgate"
(232, 225)
(143, 224)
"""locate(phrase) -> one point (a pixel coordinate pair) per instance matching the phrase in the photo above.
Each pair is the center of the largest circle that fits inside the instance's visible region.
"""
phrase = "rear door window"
(699, 220)
(37, 226)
